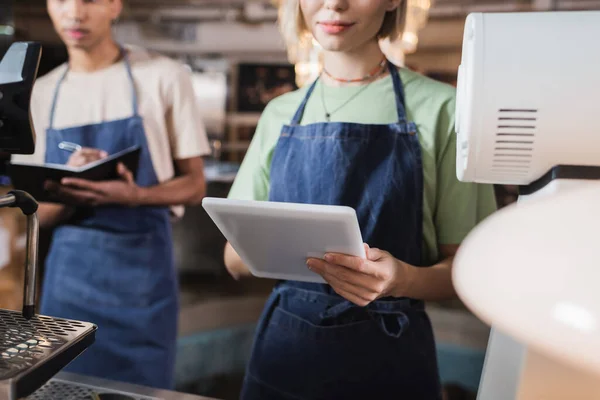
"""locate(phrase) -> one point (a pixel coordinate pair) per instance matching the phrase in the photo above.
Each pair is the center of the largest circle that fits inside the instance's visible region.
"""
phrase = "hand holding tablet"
(275, 239)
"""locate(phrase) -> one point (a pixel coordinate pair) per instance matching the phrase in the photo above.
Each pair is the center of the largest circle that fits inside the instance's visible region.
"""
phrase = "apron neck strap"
(300, 111)
(398, 90)
(134, 100)
(134, 105)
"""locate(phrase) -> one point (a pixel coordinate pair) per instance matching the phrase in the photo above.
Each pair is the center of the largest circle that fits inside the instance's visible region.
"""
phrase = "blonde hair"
(295, 32)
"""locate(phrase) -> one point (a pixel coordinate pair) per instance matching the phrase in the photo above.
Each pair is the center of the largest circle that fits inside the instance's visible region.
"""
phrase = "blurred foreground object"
(529, 269)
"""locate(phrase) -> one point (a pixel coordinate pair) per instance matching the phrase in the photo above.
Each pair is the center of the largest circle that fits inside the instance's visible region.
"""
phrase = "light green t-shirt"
(451, 208)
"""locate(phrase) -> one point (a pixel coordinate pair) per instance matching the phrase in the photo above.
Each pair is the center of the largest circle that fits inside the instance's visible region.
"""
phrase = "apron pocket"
(310, 318)
(106, 268)
(353, 361)
(313, 346)
(295, 356)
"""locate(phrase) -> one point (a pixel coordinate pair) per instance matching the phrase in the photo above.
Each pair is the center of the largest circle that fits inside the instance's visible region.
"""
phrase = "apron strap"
(62, 78)
(134, 100)
(399, 91)
(300, 111)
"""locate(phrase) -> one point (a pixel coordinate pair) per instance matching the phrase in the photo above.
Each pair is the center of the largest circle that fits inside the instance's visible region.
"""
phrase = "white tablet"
(275, 239)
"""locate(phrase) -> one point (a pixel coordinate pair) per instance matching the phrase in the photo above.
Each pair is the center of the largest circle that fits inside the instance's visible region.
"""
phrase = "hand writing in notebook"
(85, 155)
(81, 192)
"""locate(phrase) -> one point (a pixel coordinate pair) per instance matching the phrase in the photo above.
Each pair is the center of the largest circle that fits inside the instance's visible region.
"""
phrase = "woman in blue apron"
(339, 344)
(114, 265)
(379, 139)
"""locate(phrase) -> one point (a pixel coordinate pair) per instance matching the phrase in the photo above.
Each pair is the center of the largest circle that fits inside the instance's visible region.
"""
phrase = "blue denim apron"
(312, 344)
(114, 266)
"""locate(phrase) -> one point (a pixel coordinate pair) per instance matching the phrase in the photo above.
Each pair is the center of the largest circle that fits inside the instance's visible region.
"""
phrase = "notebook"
(31, 177)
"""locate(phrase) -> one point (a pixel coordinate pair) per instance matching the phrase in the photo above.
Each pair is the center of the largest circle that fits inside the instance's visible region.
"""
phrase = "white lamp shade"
(533, 271)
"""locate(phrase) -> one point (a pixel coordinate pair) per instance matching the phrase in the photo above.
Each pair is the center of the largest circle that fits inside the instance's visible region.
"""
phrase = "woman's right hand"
(85, 156)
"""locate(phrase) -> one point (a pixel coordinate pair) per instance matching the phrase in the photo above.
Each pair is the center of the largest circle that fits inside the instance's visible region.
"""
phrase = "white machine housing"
(527, 97)
(527, 102)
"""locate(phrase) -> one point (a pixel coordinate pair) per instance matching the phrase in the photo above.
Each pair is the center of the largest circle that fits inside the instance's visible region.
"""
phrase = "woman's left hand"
(363, 281)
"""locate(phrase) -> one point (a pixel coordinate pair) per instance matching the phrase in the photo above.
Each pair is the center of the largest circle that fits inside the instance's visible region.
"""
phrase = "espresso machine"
(35, 348)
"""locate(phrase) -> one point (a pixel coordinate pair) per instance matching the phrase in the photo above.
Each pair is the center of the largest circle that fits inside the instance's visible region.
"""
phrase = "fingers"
(356, 295)
(355, 263)
(339, 273)
(85, 156)
(73, 196)
(84, 184)
(77, 160)
(125, 173)
(376, 254)
(51, 186)
(90, 152)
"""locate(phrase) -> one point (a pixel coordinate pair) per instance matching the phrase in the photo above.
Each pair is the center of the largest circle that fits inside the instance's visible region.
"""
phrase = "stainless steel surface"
(31, 262)
(7, 200)
(60, 390)
(27, 205)
(33, 350)
(66, 386)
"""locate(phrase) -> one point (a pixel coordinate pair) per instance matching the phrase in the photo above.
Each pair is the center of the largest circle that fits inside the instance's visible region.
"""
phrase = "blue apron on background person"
(114, 266)
(312, 344)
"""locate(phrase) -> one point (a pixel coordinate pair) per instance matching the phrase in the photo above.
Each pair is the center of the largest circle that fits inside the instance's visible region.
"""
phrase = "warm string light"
(416, 19)
(309, 62)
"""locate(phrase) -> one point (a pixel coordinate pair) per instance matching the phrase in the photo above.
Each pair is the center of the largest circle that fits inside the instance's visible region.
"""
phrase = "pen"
(68, 146)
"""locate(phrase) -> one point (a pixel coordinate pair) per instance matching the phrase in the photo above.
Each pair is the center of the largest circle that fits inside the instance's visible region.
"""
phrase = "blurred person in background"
(380, 139)
(111, 258)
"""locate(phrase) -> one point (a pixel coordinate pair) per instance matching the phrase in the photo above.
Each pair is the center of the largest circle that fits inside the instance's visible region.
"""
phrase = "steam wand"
(29, 207)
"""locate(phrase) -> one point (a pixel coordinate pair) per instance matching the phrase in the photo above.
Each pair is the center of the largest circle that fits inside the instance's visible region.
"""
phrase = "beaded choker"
(376, 71)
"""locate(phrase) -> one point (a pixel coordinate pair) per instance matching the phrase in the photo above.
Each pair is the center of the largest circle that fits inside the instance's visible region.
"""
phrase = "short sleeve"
(460, 206)
(252, 179)
(187, 132)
